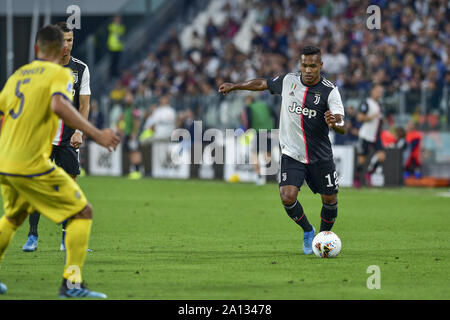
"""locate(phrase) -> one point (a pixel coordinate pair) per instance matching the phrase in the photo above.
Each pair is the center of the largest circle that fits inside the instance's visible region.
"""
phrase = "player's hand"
(108, 139)
(225, 88)
(331, 119)
(76, 140)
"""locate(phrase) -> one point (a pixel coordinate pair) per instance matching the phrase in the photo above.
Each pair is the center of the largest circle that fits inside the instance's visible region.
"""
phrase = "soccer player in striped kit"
(310, 106)
(67, 141)
(369, 143)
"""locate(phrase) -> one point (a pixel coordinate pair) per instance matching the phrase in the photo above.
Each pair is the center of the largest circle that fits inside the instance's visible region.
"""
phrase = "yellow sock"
(77, 237)
(7, 231)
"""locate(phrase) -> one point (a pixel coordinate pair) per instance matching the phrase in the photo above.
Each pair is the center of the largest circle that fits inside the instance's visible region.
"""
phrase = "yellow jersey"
(30, 124)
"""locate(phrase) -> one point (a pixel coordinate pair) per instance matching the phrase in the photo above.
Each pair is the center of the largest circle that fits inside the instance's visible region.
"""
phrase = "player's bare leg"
(260, 180)
(329, 212)
(295, 211)
(78, 230)
(64, 224)
(135, 161)
(266, 158)
(377, 159)
(8, 227)
(360, 163)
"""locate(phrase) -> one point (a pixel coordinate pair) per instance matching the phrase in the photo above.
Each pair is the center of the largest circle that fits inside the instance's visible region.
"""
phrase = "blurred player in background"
(130, 120)
(310, 105)
(115, 44)
(31, 101)
(67, 141)
(413, 163)
(369, 144)
(257, 115)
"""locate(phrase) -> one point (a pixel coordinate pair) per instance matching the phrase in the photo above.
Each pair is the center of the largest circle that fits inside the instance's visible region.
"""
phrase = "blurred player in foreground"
(310, 105)
(67, 141)
(31, 102)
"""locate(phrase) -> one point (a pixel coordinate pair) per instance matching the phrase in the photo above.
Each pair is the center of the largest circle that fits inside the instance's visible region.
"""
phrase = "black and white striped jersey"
(303, 130)
(81, 86)
(371, 130)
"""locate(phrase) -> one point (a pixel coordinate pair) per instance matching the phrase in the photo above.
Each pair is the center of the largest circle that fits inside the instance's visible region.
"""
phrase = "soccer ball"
(326, 244)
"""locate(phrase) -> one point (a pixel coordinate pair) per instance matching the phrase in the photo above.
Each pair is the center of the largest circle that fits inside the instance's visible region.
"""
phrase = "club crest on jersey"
(296, 108)
(317, 98)
(75, 77)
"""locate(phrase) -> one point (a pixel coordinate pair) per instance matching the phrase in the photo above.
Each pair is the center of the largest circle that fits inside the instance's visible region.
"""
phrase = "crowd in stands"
(410, 52)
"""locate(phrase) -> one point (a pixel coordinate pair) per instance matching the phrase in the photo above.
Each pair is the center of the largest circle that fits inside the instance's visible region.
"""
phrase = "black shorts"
(66, 158)
(364, 147)
(320, 176)
(130, 145)
(266, 143)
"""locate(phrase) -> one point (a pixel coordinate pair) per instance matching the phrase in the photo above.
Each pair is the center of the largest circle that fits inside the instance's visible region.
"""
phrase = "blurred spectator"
(143, 95)
(334, 62)
(95, 115)
(413, 162)
(352, 125)
(410, 52)
(130, 123)
(211, 30)
(230, 28)
(388, 139)
(127, 80)
(162, 120)
(197, 42)
(118, 93)
(116, 31)
(185, 120)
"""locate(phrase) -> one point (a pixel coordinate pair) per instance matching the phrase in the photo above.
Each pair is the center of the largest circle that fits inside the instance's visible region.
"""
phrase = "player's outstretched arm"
(251, 85)
(63, 108)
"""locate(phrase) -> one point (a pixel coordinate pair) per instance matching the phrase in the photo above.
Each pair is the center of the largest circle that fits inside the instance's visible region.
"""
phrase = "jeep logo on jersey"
(295, 108)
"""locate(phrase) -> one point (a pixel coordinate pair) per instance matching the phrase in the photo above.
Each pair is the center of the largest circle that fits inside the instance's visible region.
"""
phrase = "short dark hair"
(63, 26)
(311, 50)
(50, 39)
(375, 85)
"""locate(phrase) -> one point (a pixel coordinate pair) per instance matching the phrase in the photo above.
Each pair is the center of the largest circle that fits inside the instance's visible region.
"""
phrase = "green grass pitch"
(207, 240)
